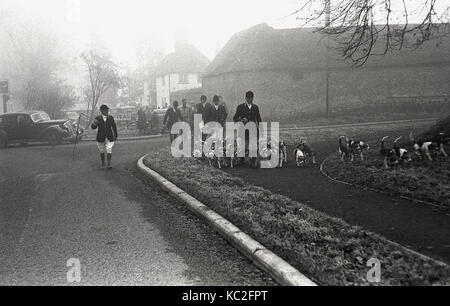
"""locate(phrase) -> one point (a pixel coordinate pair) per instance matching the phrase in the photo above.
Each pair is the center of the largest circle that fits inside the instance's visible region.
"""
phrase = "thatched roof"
(262, 48)
(186, 59)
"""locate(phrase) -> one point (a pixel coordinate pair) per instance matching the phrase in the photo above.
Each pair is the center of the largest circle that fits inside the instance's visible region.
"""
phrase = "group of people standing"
(147, 121)
(215, 112)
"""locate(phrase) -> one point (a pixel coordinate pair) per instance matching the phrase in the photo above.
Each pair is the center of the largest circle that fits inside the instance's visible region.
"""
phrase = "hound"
(198, 149)
(386, 153)
(266, 150)
(211, 155)
(300, 158)
(221, 161)
(440, 140)
(282, 149)
(422, 147)
(239, 151)
(401, 154)
(307, 151)
(358, 147)
(230, 146)
(345, 150)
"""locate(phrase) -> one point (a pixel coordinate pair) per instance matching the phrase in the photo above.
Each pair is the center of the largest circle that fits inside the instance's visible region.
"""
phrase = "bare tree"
(360, 29)
(103, 75)
(31, 60)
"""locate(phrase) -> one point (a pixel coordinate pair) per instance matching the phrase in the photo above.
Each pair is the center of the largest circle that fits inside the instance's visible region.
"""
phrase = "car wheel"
(54, 138)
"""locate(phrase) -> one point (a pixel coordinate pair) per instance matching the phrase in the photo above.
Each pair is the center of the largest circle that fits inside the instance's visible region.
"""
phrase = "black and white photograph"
(224, 152)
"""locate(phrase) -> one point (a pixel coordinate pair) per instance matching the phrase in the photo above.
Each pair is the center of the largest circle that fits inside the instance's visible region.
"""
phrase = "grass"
(421, 180)
(442, 126)
(326, 249)
(427, 181)
(371, 134)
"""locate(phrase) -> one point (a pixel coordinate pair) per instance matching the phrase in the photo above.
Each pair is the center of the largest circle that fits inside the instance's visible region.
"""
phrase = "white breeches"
(105, 147)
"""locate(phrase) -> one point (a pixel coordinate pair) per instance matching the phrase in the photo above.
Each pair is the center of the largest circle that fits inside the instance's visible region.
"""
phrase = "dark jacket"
(252, 114)
(171, 118)
(219, 115)
(106, 129)
(205, 111)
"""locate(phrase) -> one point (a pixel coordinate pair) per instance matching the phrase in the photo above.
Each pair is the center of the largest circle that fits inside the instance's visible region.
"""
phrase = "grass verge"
(326, 249)
(421, 180)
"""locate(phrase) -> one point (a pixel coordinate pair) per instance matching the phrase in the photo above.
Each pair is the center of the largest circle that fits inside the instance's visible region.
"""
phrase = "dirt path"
(422, 228)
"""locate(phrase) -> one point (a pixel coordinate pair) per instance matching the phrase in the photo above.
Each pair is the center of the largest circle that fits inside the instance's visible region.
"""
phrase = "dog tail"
(398, 139)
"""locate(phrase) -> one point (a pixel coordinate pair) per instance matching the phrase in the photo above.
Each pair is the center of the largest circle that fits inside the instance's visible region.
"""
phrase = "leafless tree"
(103, 75)
(360, 29)
(31, 60)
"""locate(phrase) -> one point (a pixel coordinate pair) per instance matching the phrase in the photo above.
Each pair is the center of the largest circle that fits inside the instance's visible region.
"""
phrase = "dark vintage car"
(31, 126)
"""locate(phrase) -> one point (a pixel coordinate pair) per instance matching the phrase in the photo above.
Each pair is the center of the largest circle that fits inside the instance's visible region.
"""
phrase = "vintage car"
(28, 126)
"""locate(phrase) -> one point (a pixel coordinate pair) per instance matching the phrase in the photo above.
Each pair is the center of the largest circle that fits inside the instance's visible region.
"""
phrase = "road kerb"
(280, 270)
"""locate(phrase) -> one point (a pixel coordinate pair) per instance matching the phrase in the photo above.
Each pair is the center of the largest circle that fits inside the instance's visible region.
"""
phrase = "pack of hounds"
(396, 154)
(302, 154)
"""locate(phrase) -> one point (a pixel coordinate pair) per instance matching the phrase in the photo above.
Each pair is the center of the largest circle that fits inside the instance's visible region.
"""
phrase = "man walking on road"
(106, 135)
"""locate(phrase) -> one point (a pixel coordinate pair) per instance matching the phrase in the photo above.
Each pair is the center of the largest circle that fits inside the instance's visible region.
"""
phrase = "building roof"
(185, 59)
(262, 48)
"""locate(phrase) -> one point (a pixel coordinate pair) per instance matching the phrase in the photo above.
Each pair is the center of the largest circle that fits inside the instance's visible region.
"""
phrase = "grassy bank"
(422, 180)
(372, 134)
(326, 249)
(427, 181)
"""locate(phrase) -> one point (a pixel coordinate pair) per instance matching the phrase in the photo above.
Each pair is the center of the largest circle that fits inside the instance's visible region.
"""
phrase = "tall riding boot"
(102, 157)
(108, 161)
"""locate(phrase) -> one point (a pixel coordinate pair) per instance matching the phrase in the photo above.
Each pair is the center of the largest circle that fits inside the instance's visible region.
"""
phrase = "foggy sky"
(124, 24)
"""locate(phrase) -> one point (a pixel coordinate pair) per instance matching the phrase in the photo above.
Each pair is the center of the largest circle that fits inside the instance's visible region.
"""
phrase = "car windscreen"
(36, 117)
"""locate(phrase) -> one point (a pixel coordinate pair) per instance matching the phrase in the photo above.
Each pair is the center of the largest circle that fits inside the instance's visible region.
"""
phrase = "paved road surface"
(123, 229)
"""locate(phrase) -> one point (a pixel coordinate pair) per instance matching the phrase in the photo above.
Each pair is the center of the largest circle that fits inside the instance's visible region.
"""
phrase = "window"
(23, 120)
(183, 78)
(41, 116)
(199, 78)
(163, 81)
